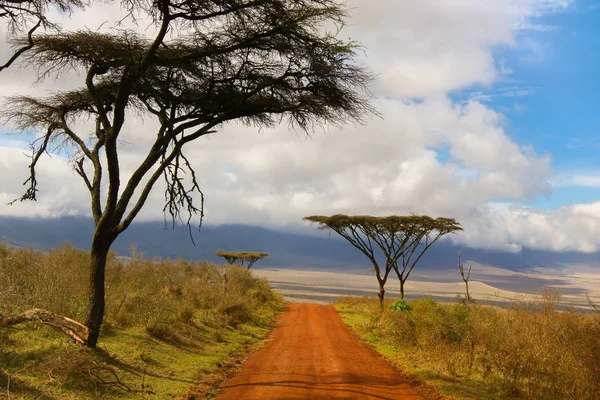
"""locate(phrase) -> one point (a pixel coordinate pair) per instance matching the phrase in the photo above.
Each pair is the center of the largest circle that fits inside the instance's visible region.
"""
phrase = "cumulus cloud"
(569, 228)
(428, 154)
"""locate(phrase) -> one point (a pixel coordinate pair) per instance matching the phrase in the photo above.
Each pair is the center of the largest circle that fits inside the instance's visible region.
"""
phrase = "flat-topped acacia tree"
(390, 236)
(201, 64)
(241, 258)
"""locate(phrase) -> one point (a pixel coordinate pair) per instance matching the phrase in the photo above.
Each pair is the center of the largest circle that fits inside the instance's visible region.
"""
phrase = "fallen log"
(74, 329)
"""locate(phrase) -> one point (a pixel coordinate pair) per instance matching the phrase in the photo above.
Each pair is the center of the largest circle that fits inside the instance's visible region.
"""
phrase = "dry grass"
(154, 294)
(167, 324)
(526, 350)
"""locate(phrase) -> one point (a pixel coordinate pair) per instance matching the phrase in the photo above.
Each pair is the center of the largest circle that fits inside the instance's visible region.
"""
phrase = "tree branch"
(63, 324)
(159, 172)
(23, 49)
(31, 192)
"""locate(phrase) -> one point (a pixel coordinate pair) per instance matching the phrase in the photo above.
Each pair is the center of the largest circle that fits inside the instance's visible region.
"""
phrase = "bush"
(80, 368)
(528, 349)
(400, 306)
(156, 295)
(166, 324)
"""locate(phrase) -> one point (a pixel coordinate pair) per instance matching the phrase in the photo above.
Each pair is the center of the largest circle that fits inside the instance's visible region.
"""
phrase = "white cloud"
(577, 180)
(569, 228)
(57, 183)
(431, 155)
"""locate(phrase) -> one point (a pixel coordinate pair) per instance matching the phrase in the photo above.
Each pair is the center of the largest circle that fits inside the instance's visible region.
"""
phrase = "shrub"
(156, 295)
(400, 306)
(80, 368)
(527, 349)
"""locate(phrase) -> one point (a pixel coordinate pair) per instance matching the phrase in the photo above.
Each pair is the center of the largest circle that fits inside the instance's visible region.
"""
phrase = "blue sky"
(490, 116)
(551, 97)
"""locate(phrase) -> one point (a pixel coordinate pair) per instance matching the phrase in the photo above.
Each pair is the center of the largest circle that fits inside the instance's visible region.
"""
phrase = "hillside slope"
(318, 250)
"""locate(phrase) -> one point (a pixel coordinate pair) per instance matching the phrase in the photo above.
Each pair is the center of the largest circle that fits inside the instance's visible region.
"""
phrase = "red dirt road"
(313, 355)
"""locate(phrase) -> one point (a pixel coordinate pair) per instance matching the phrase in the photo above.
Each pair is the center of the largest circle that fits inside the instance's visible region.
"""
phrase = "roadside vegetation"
(526, 350)
(169, 324)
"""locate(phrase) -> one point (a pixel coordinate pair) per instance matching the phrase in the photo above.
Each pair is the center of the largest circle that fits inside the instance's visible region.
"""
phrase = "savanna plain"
(176, 329)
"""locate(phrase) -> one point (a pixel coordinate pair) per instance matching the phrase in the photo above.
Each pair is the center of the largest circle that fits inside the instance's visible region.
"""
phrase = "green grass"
(151, 368)
(168, 325)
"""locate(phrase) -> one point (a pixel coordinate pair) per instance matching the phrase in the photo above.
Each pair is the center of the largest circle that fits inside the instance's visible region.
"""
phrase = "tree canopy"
(201, 65)
(241, 258)
(28, 16)
(426, 233)
(396, 237)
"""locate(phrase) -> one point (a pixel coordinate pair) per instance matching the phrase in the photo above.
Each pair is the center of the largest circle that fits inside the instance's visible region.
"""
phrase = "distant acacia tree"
(208, 62)
(19, 16)
(391, 236)
(241, 258)
(426, 232)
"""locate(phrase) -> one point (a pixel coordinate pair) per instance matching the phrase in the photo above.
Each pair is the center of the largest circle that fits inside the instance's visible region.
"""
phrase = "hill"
(286, 249)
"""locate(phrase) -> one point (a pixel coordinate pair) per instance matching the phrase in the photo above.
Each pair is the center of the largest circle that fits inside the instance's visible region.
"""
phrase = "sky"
(489, 114)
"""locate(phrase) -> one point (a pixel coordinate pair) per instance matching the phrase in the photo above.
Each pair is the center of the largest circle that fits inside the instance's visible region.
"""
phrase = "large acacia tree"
(207, 62)
(394, 237)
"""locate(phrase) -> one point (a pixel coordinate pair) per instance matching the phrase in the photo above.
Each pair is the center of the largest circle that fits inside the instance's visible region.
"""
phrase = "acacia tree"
(396, 237)
(29, 15)
(207, 62)
(423, 235)
(241, 258)
(373, 236)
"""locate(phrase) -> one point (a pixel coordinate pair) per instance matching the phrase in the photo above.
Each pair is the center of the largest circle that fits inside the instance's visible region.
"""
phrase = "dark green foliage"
(400, 306)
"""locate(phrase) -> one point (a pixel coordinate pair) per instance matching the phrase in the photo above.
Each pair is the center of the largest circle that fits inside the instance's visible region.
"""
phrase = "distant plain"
(487, 283)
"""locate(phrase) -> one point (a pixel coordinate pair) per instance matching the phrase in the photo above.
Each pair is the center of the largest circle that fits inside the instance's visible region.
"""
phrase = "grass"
(521, 351)
(168, 325)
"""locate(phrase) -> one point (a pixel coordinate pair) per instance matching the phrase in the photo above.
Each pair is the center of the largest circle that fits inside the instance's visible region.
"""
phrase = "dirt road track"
(313, 355)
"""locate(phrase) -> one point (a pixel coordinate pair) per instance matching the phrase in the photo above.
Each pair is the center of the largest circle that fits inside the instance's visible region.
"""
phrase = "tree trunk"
(401, 289)
(95, 316)
(468, 296)
(381, 294)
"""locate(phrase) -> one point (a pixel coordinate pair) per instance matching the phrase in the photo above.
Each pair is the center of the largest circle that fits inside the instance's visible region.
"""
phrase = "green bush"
(400, 306)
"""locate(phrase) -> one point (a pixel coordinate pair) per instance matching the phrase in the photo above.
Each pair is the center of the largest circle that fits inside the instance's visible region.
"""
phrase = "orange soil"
(313, 355)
